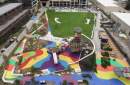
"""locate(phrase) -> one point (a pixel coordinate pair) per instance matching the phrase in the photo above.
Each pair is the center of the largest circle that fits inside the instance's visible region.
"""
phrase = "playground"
(56, 51)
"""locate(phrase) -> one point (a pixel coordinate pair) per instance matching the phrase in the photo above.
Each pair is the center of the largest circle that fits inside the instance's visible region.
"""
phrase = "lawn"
(70, 20)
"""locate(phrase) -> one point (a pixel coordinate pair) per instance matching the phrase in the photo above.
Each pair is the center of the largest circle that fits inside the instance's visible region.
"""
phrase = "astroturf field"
(70, 20)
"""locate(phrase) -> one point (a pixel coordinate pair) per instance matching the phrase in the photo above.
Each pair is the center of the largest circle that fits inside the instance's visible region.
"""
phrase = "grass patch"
(70, 20)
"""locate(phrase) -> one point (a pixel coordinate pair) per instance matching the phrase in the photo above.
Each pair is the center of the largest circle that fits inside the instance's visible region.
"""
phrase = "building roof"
(8, 7)
(125, 17)
(108, 3)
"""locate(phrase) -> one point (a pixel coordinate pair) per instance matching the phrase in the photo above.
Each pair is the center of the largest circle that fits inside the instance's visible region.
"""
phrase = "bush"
(105, 62)
(106, 47)
(105, 54)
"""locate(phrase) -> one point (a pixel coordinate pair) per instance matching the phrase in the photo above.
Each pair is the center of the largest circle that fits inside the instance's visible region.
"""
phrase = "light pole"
(87, 1)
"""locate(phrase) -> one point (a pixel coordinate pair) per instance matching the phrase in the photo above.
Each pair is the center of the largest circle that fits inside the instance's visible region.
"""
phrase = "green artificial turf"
(70, 20)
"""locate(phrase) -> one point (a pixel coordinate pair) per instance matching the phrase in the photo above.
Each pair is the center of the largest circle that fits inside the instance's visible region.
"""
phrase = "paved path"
(96, 39)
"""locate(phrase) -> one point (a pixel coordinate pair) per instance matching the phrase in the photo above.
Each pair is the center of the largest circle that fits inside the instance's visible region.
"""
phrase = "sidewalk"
(96, 39)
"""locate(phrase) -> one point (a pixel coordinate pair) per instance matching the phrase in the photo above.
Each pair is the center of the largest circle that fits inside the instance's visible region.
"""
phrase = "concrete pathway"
(96, 39)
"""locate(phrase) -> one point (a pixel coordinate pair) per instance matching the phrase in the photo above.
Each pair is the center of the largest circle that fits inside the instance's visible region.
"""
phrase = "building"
(26, 3)
(123, 24)
(108, 6)
(123, 20)
(7, 11)
(64, 3)
(12, 15)
(123, 3)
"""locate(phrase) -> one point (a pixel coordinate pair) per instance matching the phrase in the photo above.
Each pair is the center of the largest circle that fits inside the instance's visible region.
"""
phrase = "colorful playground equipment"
(55, 58)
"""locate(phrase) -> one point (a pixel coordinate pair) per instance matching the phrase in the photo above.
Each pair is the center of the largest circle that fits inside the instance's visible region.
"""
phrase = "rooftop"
(8, 7)
(125, 17)
(108, 3)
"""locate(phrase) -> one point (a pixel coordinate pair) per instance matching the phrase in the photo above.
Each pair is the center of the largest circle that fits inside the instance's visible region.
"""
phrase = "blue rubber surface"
(94, 81)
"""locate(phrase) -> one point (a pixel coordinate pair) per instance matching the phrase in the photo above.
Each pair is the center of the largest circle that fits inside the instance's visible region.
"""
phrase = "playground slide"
(9, 76)
(55, 58)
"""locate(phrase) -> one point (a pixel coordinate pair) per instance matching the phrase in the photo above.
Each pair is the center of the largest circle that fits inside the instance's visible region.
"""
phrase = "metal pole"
(52, 3)
(74, 3)
(59, 3)
(70, 3)
(79, 3)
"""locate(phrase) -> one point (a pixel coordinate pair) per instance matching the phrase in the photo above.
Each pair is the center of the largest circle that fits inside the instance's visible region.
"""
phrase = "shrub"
(105, 62)
(105, 54)
(106, 47)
